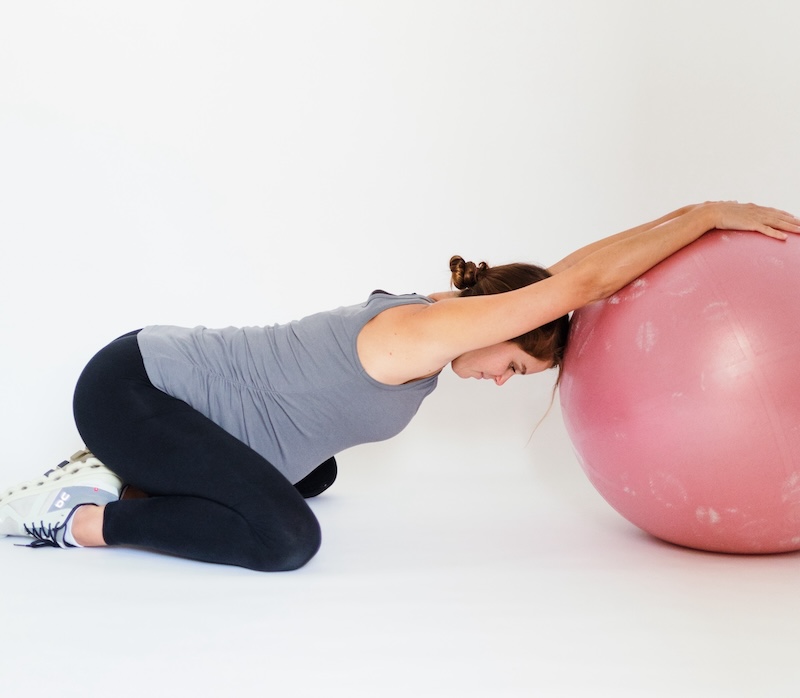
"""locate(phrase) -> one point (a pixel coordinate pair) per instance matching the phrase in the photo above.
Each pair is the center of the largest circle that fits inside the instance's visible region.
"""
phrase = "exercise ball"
(681, 395)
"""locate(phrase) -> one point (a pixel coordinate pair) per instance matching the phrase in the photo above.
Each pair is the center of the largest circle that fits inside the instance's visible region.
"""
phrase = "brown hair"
(546, 343)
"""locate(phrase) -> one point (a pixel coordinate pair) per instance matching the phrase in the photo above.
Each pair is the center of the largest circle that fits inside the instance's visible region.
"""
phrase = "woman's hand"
(611, 266)
(731, 215)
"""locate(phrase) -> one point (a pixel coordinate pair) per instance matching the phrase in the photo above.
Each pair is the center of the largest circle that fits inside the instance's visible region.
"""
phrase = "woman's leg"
(212, 497)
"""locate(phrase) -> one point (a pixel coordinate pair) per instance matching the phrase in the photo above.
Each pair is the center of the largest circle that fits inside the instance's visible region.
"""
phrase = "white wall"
(248, 162)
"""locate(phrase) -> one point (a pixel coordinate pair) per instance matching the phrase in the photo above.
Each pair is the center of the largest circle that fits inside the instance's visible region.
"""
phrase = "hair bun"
(465, 274)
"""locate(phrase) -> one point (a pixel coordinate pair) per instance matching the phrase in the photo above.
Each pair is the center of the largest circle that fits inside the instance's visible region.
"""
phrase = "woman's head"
(546, 343)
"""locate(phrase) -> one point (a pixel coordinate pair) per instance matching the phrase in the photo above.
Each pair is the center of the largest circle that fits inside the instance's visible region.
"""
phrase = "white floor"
(455, 563)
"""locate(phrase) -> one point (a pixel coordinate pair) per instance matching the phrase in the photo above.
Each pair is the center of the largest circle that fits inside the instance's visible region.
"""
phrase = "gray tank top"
(296, 393)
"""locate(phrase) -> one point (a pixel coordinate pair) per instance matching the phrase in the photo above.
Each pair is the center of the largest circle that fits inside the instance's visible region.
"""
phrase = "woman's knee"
(288, 547)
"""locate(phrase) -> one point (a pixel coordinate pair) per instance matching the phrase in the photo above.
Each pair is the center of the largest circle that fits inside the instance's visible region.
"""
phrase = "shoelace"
(45, 536)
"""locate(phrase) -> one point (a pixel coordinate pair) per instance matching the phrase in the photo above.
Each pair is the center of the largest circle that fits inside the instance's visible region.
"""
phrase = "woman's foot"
(43, 508)
(319, 479)
(86, 526)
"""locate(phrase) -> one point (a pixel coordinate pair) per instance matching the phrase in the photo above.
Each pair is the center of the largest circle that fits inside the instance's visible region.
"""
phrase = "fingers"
(779, 224)
(784, 215)
(783, 221)
(772, 232)
(773, 222)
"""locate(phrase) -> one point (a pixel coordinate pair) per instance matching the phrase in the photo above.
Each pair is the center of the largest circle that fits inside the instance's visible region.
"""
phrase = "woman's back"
(296, 393)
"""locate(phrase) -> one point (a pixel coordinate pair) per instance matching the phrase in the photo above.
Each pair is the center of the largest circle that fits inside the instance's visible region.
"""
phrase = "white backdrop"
(248, 162)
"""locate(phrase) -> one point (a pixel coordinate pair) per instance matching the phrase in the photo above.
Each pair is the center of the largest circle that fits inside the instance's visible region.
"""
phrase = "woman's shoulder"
(381, 297)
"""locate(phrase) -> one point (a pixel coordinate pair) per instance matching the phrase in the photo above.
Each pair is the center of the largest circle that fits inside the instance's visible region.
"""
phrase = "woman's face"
(498, 363)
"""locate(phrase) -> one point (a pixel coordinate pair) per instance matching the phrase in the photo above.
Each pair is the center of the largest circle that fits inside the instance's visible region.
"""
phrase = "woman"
(225, 430)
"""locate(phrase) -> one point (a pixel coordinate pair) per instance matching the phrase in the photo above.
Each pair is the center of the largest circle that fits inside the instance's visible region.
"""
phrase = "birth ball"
(681, 395)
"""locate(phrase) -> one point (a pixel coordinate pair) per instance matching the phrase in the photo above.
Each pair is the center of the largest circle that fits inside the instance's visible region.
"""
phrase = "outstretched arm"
(407, 342)
(461, 324)
(620, 262)
(575, 257)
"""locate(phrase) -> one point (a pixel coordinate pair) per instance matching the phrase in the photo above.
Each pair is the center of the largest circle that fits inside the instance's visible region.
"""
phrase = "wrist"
(706, 215)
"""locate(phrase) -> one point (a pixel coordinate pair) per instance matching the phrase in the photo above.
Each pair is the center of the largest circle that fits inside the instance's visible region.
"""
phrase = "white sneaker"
(41, 508)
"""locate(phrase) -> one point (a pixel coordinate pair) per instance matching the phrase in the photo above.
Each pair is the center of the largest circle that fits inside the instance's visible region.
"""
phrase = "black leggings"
(212, 497)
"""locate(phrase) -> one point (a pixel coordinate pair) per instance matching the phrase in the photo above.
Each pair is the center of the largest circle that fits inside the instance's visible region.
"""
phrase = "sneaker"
(41, 508)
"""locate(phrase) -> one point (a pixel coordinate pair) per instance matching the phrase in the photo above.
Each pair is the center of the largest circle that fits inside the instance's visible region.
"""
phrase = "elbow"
(595, 285)
(604, 281)
(604, 291)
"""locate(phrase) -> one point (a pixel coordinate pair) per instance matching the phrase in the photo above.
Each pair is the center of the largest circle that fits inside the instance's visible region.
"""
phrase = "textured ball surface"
(681, 395)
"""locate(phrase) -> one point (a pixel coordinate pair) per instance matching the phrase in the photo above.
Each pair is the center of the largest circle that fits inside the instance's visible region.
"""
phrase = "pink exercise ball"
(681, 395)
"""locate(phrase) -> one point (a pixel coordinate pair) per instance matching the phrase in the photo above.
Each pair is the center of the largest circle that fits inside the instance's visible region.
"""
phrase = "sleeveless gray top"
(296, 393)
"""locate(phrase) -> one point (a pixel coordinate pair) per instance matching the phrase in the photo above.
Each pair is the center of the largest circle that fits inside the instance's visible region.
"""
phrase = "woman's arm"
(453, 326)
(407, 342)
(575, 257)
(620, 262)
